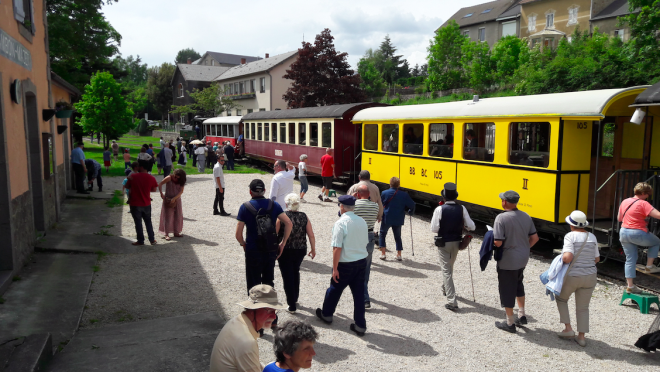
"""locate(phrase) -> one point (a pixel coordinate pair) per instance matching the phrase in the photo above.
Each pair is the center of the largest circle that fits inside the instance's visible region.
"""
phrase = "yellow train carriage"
(539, 146)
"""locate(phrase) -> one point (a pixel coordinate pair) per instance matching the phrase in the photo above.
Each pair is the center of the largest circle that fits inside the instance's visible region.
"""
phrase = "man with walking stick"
(448, 222)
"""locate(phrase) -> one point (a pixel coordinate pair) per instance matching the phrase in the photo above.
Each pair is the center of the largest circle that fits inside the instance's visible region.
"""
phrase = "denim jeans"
(230, 163)
(127, 165)
(167, 170)
(139, 214)
(367, 269)
(290, 261)
(396, 230)
(259, 268)
(351, 274)
(631, 240)
(304, 185)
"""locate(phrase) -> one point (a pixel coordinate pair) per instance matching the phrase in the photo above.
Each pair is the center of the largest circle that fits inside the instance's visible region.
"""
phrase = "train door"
(623, 146)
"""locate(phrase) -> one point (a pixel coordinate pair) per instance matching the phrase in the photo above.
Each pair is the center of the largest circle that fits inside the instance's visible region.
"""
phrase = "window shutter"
(19, 14)
(32, 20)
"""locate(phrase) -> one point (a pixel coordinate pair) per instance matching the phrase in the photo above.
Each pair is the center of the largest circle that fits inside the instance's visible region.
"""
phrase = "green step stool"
(332, 192)
(643, 300)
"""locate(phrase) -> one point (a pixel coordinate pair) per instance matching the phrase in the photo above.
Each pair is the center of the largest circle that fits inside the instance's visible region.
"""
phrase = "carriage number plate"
(278, 152)
(425, 173)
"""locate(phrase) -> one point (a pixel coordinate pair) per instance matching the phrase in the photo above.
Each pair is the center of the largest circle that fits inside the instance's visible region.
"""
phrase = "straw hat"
(577, 219)
(262, 296)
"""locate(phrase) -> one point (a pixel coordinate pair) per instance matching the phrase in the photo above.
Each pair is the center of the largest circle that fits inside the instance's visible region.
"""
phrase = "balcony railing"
(242, 96)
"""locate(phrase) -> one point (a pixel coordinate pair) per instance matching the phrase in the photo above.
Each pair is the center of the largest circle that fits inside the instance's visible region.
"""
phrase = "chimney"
(266, 55)
(190, 61)
(242, 61)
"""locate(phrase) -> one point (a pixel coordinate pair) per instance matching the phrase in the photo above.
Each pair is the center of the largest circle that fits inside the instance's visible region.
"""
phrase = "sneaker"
(451, 307)
(367, 305)
(651, 270)
(633, 289)
(319, 314)
(383, 257)
(521, 321)
(303, 201)
(291, 309)
(320, 197)
(505, 327)
(354, 329)
(399, 258)
(327, 200)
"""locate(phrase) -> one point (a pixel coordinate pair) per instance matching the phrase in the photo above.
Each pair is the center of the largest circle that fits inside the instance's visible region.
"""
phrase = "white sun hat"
(577, 219)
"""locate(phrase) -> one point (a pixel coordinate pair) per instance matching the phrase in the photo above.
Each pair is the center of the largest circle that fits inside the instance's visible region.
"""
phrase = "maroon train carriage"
(287, 134)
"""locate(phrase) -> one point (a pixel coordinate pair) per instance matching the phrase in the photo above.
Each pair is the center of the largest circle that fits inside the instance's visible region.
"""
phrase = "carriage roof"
(334, 111)
(223, 120)
(578, 104)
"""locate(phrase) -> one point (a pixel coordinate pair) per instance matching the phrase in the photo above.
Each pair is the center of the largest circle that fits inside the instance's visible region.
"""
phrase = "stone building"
(33, 143)
(606, 18)
(482, 22)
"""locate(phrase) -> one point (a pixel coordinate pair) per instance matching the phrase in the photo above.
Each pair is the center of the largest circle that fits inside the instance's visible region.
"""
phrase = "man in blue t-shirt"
(259, 263)
(79, 168)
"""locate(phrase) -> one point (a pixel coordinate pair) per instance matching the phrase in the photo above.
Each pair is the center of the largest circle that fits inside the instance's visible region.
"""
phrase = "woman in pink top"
(633, 212)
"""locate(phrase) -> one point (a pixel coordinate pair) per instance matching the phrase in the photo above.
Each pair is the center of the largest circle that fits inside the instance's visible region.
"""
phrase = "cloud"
(157, 30)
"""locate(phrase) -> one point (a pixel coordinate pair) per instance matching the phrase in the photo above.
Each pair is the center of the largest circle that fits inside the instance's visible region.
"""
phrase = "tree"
(210, 101)
(372, 81)
(159, 88)
(103, 108)
(643, 48)
(444, 59)
(135, 72)
(321, 76)
(184, 54)
(477, 65)
(505, 56)
(390, 65)
(81, 41)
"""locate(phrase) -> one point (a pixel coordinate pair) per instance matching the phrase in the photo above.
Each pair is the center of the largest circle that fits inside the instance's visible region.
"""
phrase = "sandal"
(167, 238)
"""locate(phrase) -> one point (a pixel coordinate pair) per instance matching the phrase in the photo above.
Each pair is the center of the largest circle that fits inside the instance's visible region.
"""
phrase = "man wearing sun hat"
(236, 348)
(349, 259)
(448, 222)
(514, 231)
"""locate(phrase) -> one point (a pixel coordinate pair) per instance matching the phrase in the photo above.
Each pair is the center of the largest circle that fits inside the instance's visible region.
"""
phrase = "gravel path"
(408, 326)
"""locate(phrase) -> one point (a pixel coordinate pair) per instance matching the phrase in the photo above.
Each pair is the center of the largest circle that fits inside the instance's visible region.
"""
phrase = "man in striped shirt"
(369, 211)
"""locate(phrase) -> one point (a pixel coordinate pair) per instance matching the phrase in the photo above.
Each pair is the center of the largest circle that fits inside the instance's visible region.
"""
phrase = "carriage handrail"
(608, 179)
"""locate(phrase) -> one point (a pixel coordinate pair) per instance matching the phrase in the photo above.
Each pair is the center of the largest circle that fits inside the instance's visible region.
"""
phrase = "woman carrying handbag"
(581, 251)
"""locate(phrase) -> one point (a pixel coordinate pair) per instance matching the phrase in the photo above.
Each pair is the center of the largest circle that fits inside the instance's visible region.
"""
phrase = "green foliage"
(143, 126)
(445, 53)
(390, 65)
(212, 100)
(372, 79)
(477, 65)
(643, 47)
(81, 41)
(505, 57)
(103, 107)
(184, 54)
(159, 89)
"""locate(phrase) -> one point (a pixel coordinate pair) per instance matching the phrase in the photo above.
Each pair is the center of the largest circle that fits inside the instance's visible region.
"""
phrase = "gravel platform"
(408, 326)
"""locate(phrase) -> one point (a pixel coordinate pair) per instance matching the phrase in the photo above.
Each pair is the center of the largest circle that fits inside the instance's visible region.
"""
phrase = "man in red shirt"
(327, 174)
(142, 185)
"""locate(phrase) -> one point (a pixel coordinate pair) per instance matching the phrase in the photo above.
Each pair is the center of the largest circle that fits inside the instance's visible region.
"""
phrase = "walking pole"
(471, 280)
(412, 245)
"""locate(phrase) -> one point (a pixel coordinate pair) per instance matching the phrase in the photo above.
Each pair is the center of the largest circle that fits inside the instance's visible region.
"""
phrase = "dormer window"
(486, 11)
(468, 15)
(550, 19)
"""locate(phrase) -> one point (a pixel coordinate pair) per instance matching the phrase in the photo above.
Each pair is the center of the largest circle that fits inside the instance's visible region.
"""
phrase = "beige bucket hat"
(262, 296)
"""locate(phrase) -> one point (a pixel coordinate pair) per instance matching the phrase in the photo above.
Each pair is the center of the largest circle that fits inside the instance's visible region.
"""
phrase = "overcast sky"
(157, 30)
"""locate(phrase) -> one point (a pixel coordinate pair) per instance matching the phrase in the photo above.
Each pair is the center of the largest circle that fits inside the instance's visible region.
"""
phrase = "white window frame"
(515, 28)
(573, 15)
(181, 94)
(620, 33)
(262, 85)
(239, 112)
(550, 16)
(531, 23)
(480, 34)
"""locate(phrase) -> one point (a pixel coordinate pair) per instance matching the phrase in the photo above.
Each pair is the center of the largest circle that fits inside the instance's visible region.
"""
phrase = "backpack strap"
(270, 206)
(250, 207)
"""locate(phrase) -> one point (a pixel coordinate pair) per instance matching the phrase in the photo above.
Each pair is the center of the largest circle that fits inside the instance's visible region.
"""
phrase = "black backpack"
(267, 240)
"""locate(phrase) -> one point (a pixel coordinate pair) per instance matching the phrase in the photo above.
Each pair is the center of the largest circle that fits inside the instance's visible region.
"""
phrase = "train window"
(246, 130)
(274, 132)
(479, 141)
(607, 144)
(313, 134)
(391, 137)
(252, 131)
(225, 129)
(283, 132)
(413, 139)
(231, 131)
(441, 140)
(371, 137)
(208, 130)
(266, 132)
(302, 134)
(326, 135)
(292, 133)
(529, 144)
(259, 131)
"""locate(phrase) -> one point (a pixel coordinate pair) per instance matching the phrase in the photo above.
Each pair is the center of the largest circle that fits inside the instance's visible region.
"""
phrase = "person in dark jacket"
(448, 222)
(395, 205)
(229, 151)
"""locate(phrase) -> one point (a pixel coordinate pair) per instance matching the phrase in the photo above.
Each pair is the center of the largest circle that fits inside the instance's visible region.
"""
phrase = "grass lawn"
(94, 151)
